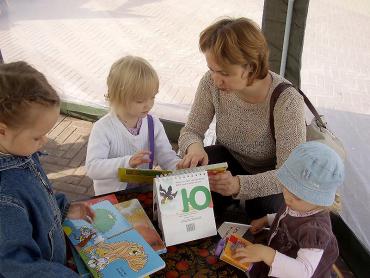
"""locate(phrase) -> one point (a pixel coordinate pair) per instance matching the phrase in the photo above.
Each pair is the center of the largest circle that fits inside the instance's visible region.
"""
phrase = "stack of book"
(111, 246)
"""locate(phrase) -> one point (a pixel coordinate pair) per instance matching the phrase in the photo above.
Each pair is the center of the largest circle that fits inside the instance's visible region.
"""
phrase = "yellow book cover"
(146, 176)
(234, 242)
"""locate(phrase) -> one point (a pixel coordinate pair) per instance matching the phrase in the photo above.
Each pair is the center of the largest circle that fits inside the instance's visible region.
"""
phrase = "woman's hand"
(255, 253)
(81, 210)
(258, 225)
(139, 158)
(195, 155)
(224, 183)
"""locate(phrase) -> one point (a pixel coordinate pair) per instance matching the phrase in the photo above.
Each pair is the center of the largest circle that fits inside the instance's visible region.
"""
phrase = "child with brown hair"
(32, 242)
(122, 138)
(301, 242)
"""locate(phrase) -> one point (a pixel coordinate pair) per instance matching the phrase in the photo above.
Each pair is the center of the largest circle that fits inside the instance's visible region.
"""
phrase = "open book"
(110, 247)
(136, 215)
(146, 176)
(234, 242)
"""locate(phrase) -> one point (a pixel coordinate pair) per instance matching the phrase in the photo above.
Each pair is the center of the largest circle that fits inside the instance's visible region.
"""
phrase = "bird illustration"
(167, 195)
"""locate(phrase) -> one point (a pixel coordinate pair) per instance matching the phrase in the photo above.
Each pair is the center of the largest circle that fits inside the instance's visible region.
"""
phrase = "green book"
(146, 176)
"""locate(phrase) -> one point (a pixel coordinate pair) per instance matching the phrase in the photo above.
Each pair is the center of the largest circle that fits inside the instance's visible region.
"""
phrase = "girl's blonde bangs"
(131, 78)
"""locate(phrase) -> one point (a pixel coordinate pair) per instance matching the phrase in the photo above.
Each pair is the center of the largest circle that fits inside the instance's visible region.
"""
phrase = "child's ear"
(3, 129)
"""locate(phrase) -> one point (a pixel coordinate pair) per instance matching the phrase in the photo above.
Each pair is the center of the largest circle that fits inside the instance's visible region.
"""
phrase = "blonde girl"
(122, 137)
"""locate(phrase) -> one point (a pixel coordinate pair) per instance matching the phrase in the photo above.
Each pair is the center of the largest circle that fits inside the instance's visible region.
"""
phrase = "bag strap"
(274, 97)
(151, 140)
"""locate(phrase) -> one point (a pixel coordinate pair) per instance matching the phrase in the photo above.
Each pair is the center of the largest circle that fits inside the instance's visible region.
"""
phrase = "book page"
(125, 255)
(108, 222)
(136, 215)
(185, 207)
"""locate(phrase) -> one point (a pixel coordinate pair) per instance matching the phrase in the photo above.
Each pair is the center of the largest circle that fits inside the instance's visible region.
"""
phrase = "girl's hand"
(195, 155)
(81, 210)
(258, 225)
(224, 183)
(139, 158)
(255, 253)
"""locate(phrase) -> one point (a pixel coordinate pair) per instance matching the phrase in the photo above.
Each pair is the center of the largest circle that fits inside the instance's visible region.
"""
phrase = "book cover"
(111, 198)
(80, 265)
(136, 215)
(110, 247)
(233, 242)
(146, 176)
(184, 207)
(125, 255)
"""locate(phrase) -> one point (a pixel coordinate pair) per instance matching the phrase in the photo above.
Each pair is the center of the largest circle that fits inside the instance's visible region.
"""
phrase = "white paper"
(228, 228)
(184, 207)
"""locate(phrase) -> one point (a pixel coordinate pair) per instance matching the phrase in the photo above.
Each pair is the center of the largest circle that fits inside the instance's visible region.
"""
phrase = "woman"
(237, 90)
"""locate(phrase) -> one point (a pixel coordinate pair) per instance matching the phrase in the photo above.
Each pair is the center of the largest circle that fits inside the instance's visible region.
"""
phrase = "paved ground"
(65, 161)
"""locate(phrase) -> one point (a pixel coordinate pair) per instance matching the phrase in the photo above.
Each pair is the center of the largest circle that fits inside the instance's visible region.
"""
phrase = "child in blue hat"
(301, 242)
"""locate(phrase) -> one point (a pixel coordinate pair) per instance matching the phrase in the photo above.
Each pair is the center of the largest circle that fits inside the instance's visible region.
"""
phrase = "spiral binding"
(186, 173)
(195, 170)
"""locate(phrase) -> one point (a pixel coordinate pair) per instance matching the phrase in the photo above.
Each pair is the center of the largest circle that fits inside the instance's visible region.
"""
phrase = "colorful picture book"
(110, 247)
(80, 265)
(111, 198)
(146, 176)
(136, 215)
(184, 207)
(234, 242)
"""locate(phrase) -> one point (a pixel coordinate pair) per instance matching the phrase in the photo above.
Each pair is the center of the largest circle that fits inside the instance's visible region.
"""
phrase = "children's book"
(111, 198)
(234, 242)
(228, 228)
(184, 207)
(110, 247)
(146, 176)
(136, 215)
(81, 267)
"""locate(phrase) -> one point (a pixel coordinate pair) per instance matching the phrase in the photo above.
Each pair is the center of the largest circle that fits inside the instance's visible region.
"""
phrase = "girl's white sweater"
(111, 146)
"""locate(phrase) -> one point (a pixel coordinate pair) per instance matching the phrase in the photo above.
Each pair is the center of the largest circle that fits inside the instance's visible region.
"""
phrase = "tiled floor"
(65, 161)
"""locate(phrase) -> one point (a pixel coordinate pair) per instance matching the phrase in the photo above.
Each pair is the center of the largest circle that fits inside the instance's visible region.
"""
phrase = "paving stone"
(67, 151)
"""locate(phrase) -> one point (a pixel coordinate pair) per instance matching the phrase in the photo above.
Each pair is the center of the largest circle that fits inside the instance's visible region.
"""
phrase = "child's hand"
(258, 225)
(139, 158)
(81, 210)
(255, 253)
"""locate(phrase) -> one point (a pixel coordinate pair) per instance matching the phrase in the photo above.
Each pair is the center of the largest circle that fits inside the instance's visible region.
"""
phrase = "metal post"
(286, 37)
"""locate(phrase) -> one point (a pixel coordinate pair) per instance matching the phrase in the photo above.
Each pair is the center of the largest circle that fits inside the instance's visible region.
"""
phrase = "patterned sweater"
(244, 129)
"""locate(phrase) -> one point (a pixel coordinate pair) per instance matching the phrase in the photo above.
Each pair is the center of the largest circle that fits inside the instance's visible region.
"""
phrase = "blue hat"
(313, 172)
